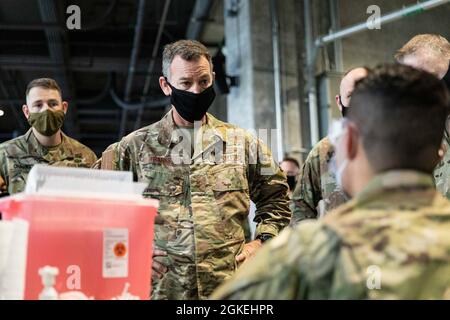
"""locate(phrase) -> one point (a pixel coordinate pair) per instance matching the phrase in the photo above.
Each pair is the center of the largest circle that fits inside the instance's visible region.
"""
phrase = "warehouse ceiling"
(108, 70)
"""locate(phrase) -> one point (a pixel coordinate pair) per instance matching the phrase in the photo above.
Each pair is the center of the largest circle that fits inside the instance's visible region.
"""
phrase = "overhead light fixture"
(2, 112)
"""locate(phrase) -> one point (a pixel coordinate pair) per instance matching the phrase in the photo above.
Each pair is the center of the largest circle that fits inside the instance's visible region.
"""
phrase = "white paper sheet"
(81, 182)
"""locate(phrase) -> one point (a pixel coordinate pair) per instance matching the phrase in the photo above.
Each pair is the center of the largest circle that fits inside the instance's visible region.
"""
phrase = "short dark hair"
(400, 113)
(187, 49)
(293, 160)
(46, 83)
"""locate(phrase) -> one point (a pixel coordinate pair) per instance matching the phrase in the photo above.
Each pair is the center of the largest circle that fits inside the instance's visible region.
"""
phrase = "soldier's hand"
(158, 268)
(249, 250)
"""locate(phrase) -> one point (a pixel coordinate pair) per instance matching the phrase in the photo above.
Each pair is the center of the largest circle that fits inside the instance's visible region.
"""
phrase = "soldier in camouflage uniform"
(44, 143)
(204, 187)
(106, 161)
(431, 52)
(391, 240)
(316, 191)
(291, 167)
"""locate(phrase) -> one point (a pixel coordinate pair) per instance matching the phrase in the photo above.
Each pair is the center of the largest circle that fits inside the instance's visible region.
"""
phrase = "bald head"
(428, 61)
(428, 52)
(347, 86)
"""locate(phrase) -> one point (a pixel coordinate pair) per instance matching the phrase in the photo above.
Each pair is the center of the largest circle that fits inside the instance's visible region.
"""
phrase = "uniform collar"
(166, 136)
(35, 147)
(394, 179)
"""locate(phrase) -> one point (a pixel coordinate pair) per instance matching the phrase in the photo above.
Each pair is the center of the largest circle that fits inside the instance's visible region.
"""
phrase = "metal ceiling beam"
(198, 18)
(133, 61)
(98, 112)
(100, 121)
(135, 106)
(154, 103)
(83, 64)
(56, 46)
(58, 27)
(76, 43)
(102, 95)
(135, 50)
(99, 23)
(391, 17)
(151, 65)
(148, 103)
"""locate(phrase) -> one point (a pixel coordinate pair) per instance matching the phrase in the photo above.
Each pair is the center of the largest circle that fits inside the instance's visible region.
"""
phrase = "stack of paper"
(80, 182)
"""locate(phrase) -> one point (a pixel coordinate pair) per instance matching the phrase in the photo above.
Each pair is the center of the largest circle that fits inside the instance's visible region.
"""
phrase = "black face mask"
(291, 182)
(191, 106)
(344, 108)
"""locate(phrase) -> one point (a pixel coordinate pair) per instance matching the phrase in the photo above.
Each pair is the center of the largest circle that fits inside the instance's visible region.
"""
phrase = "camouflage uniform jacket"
(106, 161)
(204, 202)
(316, 192)
(442, 171)
(390, 242)
(17, 157)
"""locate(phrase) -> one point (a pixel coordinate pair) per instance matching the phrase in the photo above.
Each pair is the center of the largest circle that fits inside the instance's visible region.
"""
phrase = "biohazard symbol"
(120, 249)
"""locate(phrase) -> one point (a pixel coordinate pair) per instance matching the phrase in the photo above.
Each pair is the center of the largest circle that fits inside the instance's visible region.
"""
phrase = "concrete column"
(248, 42)
(249, 53)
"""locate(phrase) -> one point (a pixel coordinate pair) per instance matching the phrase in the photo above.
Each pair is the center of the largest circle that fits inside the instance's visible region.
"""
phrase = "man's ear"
(352, 141)
(26, 111)
(65, 106)
(442, 150)
(164, 86)
(337, 102)
(213, 76)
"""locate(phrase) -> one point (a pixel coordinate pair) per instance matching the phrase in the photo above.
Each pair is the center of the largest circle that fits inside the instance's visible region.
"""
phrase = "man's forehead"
(185, 68)
(288, 165)
(349, 81)
(43, 91)
(428, 63)
(413, 60)
(40, 93)
(347, 86)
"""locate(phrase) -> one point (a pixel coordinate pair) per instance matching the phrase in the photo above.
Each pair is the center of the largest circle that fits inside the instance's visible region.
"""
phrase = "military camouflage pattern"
(106, 161)
(442, 171)
(316, 192)
(390, 242)
(204, 202)
(17, 157)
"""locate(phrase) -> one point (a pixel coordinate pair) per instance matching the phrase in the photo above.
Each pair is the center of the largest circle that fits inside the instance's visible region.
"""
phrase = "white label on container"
(115, 253)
